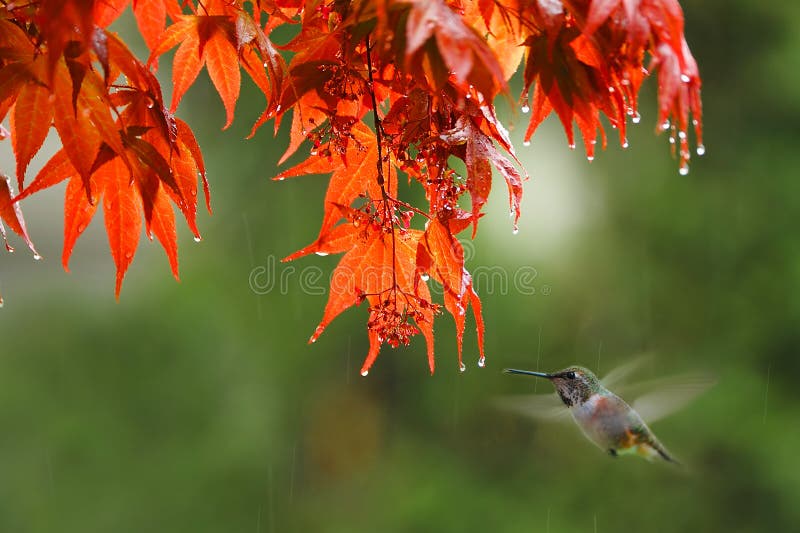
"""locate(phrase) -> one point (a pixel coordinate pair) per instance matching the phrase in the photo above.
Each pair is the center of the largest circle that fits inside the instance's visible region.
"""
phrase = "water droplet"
(571, 146)
(364, 373)
(671, 139)
(636, 118)
(197, 238)
(590, 158)
(281, 178)
(625, 81)
(313, 152)
(81, 227)
(468, 96)
(685, 78)
(461, 366)
(611, 89)
(322, 254)
(482, 361)
(684, 170)
(701, 150)
(515, 231)
(681, 135)
(525, 108)
(424, 276)
(526, 143)
(128, 255)
(665, 125)
(150, 103)
(38, 257)
(625, 143)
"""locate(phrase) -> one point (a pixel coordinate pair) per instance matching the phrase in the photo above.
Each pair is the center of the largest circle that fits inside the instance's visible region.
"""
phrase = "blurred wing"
(622, 372)
(547, 407)
(668, 395)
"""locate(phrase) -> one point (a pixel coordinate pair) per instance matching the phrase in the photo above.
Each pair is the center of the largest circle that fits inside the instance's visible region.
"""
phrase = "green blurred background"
(198, 406)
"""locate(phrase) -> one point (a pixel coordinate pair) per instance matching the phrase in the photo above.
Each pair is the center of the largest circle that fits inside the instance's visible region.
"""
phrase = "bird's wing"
(618, 375)
(667, 395)
(547, 407)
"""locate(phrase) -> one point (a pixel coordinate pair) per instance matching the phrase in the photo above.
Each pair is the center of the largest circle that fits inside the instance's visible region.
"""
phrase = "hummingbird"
(605, 418)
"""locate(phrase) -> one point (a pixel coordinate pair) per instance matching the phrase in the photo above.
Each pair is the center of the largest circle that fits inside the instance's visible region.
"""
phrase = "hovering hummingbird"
(605, 418)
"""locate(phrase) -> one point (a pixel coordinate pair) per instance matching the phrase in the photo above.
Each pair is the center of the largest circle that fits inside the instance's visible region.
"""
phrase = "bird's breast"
(602, 419)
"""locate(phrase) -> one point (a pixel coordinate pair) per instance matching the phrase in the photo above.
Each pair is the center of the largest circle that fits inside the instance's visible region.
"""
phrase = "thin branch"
(388, 212)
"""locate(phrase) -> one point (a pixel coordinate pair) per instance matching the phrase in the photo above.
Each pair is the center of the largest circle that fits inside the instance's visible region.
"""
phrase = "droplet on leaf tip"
(681, 134)
(684, 170)
(525, 108)
(625, 143)
(461, 366)
(36, 256)
(365, 373)
(197, 238)
(665, 125)
(701, 150)
(321, 254)
(526, 143)
(636, 118)
(481, 361)
(590, 158)
(515, 231)
(571, 146)
(424, 276)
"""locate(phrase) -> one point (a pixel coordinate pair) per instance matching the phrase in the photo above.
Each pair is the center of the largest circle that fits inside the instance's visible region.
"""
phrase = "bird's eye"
(570, 375)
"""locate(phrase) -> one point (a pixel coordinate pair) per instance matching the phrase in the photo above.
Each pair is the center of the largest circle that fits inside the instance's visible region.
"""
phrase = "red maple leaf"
(11, 214)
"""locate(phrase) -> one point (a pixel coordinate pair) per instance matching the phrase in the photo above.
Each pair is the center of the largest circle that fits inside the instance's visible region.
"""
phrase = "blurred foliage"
(198, 406)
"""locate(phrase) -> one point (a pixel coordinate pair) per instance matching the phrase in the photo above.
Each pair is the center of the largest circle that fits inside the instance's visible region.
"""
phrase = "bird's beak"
(529, 373)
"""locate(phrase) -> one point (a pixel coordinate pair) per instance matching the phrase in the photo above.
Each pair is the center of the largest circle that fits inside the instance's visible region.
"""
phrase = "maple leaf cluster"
(381, 90)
